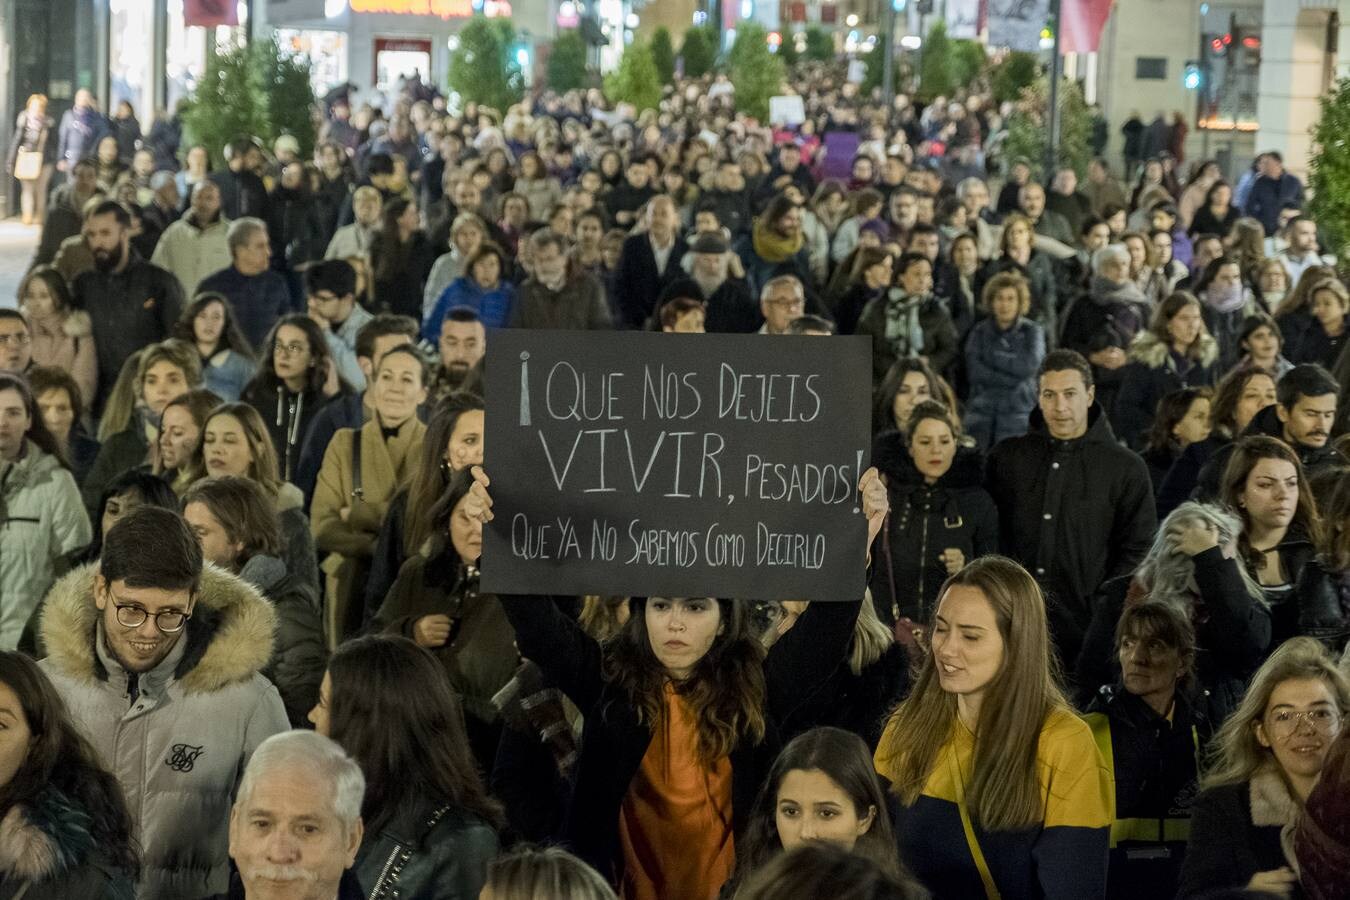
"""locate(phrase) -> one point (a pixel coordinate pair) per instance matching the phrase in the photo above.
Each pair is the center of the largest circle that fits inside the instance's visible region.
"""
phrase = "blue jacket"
(226, 373)
(1268, 195)
(258, 300)
(493, 307)
(1001, 366)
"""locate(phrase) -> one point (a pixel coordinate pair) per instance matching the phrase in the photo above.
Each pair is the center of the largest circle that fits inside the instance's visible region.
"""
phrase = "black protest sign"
(638, 464)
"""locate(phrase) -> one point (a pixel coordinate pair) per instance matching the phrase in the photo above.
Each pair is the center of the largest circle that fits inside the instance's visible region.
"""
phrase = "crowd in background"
(243, 487)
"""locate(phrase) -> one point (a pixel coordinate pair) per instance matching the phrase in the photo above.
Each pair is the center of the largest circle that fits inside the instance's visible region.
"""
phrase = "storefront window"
(327, 52)
(130, 51)
(185, 53)
(1230, 55)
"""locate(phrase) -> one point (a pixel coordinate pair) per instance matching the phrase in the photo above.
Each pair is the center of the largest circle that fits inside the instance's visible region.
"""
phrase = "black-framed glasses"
(168, 621)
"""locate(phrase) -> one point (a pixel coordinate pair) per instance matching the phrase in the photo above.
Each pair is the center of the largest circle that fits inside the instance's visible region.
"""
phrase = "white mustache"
(281, 873)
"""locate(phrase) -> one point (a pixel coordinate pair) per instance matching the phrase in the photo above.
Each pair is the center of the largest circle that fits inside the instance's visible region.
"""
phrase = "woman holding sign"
(680, 710)
(1002, 788)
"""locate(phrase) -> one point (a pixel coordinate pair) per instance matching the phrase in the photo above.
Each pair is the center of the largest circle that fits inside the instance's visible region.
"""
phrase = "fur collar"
(1272, 803)
(1147, 349)
(77, 324)
(228, 640)
(43, 839)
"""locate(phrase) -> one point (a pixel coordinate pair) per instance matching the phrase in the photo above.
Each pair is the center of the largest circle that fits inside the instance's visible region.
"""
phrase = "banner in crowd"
(636, 464)
(1017, 24)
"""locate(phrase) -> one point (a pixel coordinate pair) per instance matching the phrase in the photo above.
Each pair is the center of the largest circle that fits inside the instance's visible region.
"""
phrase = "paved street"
(17, 242)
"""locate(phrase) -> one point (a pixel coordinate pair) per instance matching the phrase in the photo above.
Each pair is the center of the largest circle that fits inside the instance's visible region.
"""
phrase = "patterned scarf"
(903, 331)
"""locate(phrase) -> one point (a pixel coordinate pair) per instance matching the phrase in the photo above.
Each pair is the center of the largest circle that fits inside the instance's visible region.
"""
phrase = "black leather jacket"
(429, 851)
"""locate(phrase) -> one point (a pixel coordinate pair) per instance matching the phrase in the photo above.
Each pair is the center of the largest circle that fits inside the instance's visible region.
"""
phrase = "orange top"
(675, 823)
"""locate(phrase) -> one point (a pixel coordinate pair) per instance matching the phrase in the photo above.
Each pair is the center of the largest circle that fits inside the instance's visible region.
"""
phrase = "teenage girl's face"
(1301, 720)
(225, 446)
(682, 631)
(465, 448)
(37, 299)
(813, 807)
(1327, 309)
(932, 447)
(913, 390)
(209, 324)
(967, 645)
(1263, 344)
(1270, 494)
(178, 437)
(163, 382)
(291, 353)
(1194, 426)
(1258, 393)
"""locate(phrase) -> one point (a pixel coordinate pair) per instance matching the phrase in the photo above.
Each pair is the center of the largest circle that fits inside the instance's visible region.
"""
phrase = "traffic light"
(1192, 76)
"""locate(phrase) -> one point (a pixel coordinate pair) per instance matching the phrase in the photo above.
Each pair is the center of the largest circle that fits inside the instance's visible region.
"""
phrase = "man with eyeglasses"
(16, 342)
(158, 661)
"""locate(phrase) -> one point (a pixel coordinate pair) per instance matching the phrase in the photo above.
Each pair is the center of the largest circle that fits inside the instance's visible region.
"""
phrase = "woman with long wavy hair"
(1264, 762)
(987, 746)
(66, 831)
(680, 710)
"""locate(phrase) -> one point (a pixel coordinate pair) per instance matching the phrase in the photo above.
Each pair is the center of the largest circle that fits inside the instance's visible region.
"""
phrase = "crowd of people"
(243, 489)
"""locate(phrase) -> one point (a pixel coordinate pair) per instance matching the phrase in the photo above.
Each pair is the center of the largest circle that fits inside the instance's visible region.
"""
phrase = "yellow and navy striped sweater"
(1064, 858)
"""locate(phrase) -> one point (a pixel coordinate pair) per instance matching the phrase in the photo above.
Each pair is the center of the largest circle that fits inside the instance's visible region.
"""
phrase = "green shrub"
(483, 68)
(755, 71)
(699, 51)
(1329, 171)
(636, 80)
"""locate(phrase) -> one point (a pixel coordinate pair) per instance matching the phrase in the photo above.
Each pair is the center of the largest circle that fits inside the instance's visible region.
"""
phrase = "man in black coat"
(629, 195)
(1075, 507)
(1302, 417)
(730, 307)
(131, 303)
(649, 262)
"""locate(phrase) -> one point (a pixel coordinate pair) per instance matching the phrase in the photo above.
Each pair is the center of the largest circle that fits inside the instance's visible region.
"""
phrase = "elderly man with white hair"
(296, 824)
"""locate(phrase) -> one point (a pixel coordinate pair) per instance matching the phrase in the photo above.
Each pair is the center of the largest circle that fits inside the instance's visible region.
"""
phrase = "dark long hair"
(432, 475)
(1246, 454)
(265, 379)
(725, 691)
(152, 489)
(393, 710)
(844, 759)
(388, 250)
(1172, 408)
(59, 757)
(231, 337)
(37, 428)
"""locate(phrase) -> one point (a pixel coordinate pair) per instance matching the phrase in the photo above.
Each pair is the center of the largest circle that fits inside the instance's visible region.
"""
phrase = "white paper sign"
(787, 110)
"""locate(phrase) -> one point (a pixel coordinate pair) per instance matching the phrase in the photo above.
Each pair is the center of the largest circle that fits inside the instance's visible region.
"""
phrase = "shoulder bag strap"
(972, 842)
(358, 493)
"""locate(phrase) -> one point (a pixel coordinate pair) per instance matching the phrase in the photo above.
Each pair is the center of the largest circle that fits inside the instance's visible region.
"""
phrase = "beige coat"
(350, 543)
(67, 343)
(192, 253)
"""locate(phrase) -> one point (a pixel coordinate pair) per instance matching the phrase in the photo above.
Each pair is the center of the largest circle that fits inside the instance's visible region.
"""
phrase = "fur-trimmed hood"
(229, 638)
(1147, 349)
(46, 839)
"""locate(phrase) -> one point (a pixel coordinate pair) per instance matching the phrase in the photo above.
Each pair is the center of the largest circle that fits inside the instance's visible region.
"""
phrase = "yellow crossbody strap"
(972, 842)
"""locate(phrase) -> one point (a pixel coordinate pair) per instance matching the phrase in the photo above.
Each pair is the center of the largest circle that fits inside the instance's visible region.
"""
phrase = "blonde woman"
(131, 417)
(1266, 759)
(986, 746)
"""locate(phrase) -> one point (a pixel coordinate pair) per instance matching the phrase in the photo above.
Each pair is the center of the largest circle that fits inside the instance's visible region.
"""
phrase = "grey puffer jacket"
(41, 521)
(176, 737)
